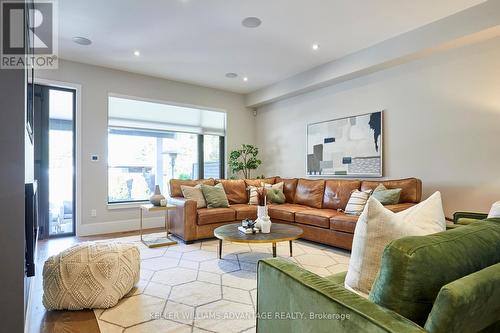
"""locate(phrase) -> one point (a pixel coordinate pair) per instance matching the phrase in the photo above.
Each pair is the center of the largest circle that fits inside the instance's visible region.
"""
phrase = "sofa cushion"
(236, 190)
(215, 215)
(257, 182)
(316, 217)
(244, 211)
(285, 212)
(310, 192)
(289, 187)
(429, 263)
(175, 185)
(343, 222)
(411, 188)
(338, 192)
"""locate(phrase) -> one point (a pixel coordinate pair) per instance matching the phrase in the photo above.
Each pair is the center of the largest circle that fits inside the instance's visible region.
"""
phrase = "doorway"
(55, 146)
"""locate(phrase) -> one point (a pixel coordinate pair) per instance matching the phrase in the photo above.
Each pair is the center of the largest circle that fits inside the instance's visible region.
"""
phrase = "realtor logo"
(28, 36)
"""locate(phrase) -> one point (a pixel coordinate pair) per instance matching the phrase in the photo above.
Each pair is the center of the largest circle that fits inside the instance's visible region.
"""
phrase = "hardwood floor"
(45, 321)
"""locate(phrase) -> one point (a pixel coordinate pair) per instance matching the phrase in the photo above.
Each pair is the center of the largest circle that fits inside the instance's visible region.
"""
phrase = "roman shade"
(158, 116)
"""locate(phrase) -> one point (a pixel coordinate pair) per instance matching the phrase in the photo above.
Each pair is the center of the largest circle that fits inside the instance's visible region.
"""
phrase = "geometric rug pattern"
(187, 289)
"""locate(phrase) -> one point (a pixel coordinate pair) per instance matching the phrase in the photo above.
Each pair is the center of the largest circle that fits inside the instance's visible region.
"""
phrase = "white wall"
(441, 123)
(96, 83)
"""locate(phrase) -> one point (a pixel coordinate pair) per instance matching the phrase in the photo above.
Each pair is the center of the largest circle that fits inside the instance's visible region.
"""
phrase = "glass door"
(55, 158)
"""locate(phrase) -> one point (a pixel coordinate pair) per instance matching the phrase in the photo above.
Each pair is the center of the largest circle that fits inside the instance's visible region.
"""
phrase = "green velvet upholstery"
(415, 268)
(468, 217)
(285, 289)
(446, 282)
(476, 297)
(338, 278)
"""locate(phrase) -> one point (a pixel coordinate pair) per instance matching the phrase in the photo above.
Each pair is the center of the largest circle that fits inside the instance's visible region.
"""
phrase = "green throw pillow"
(215, 196)
(385, 196)
(275, 196)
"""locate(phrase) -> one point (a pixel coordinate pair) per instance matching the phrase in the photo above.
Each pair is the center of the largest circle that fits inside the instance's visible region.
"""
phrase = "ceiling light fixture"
(315, 47)
(137, 53)
(245, 79)
(82, 40)
(251, 22)
(231, 75)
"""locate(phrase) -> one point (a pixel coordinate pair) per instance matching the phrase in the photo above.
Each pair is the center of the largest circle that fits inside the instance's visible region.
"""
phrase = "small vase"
(157, 197)
(265, 225)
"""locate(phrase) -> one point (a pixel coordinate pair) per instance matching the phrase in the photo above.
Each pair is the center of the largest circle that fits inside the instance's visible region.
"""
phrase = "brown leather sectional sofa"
(310, 204)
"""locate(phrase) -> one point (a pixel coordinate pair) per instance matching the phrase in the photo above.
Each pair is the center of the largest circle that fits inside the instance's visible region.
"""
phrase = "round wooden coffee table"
(280, 232)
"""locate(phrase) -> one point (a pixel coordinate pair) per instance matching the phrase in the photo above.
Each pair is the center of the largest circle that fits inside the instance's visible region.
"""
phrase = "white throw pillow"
(252, 197)
(357, 202)
(194, 193)
(377, 227)
(495, 210)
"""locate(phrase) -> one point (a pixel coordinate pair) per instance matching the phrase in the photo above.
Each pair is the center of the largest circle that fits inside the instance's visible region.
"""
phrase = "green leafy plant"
(244, 160)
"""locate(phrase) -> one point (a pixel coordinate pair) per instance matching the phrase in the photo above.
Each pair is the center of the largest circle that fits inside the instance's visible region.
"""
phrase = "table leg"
(140, 226)
(291, 252)
(274, 250)
(166, 222)
(220, 248)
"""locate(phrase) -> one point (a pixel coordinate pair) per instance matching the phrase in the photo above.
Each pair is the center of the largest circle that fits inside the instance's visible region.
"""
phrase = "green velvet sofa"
(445, 282)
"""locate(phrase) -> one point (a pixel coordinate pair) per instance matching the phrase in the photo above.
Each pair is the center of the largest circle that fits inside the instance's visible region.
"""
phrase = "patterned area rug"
(185, 288)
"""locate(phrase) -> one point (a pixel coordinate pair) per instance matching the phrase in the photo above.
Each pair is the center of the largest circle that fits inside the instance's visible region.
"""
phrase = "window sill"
(126, 205)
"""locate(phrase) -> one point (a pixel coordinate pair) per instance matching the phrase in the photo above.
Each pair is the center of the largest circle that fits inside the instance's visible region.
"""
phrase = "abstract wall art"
(348, 147)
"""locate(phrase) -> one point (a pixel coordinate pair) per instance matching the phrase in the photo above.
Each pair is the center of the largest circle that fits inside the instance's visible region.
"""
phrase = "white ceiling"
(198, 41)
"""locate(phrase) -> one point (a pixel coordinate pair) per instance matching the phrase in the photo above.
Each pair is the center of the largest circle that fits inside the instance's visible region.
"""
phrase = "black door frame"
(42, 159)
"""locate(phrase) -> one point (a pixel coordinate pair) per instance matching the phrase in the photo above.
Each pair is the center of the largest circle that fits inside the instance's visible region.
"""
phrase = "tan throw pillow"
(277, 186)
(357, 202)
(377, 227)
(194, 193)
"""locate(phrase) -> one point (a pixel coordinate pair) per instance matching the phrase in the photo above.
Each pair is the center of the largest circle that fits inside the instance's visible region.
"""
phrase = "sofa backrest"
(411, 188)
(310, 192)
(289, 188)
(258, 182)
(175, 185)
(236, 190)
(338, 192)
(413, 269)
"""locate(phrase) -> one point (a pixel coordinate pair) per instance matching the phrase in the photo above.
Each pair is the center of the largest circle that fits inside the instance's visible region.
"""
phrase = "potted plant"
(244, 160)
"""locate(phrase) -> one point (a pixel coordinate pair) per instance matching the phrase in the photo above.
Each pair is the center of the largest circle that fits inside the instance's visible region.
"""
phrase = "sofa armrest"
(183, 219)
(292, 299)
(468, 217)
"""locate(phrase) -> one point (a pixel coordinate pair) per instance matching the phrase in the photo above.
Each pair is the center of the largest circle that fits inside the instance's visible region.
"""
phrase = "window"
(155, 143)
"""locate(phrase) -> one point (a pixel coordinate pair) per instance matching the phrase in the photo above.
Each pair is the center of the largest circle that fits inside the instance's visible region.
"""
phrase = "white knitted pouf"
(90, 275)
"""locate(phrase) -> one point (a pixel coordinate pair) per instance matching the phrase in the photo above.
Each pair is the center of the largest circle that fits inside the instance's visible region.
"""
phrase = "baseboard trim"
(92, 229)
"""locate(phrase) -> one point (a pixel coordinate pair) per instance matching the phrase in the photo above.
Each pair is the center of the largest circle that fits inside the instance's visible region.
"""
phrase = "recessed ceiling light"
(251, 22)
(82, 40)
(315, 47)
(231, 75)
(137, 53)
(245, 79)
